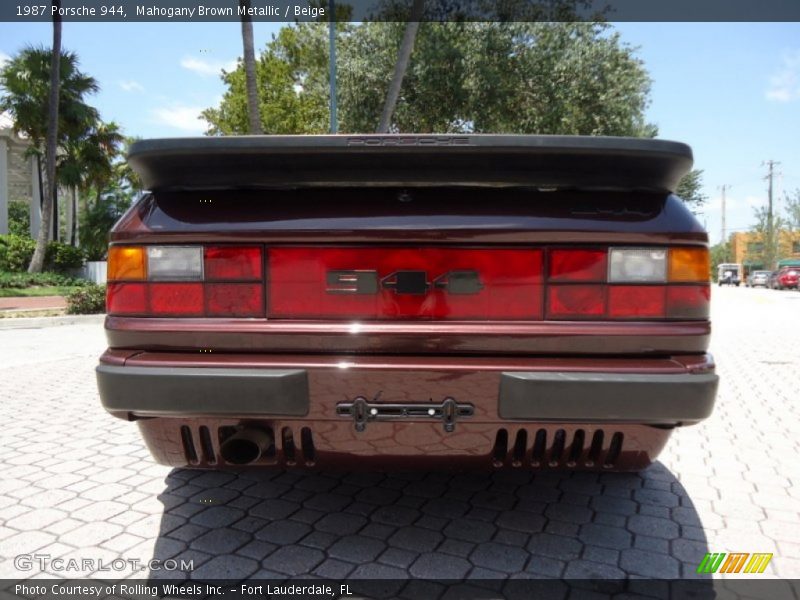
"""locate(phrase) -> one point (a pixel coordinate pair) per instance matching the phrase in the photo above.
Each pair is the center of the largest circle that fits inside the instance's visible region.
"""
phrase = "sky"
(730, 90)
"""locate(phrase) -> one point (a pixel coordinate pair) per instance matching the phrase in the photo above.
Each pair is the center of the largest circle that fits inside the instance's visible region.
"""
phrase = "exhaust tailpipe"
(246, 446)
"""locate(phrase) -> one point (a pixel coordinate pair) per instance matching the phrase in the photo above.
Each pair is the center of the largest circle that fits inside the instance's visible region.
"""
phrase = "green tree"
(720, 253)
(568, 78)
(292, 83)
(768, 236)
(19, 219)
(29, 81)
(123, 173)
(87, 162)
(793, 209)
(99, 217)
(50, 147)
(690, 189)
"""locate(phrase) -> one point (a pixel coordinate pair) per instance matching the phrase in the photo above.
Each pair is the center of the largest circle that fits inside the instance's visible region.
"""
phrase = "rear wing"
(538, 161)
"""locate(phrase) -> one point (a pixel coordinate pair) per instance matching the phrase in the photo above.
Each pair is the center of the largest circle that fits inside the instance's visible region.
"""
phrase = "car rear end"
(788, 278)
(760, 278)
(381, 302)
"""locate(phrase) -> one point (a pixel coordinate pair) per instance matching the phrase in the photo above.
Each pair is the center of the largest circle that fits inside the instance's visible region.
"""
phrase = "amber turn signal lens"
(689, 264)
(126, 263)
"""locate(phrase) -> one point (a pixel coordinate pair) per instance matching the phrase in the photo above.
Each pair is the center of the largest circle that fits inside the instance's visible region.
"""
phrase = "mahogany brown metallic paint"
(409, 361)
(389, 445)
(410, 337)
(399, 446)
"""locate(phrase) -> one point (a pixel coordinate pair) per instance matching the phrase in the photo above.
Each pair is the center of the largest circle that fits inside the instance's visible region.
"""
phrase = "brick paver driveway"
(77, 483)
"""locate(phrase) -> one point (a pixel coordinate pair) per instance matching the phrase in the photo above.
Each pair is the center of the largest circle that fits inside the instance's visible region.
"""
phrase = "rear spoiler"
(539, 161)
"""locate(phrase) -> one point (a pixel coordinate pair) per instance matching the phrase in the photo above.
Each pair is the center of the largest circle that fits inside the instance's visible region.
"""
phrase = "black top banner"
(399, 10)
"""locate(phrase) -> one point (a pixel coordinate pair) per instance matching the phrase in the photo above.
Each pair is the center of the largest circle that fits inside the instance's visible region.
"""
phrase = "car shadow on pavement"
(490, 527)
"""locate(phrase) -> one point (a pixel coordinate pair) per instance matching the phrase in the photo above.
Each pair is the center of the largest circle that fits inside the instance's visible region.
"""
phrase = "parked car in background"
(729, 274)
(787, 278)
(772, 282)
(758, 278)
(408, 301)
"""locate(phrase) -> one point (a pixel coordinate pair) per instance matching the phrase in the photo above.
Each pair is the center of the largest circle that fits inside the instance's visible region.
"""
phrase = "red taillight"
(217, 289)
(126, 298)
(636, 301)
(231, 263)
(577, 265)
(621, 282)
(427, 283)
(688, 301)
(576, 301)
(234, 299)
(184, 299)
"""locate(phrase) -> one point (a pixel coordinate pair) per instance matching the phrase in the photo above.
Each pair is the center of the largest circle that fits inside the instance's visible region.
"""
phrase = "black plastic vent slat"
(577, 448)
(595, 449)
(309, 452)
(539, 448)
(520, 446)
(559, 441)
(206, 446)
(614, 450)
(500, 448)
(288, 446)
(188, 445)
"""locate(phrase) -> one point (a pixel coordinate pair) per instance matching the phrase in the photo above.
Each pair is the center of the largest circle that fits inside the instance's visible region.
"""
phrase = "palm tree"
(88, 163)
(51, 145)
(249, 59)
(400, 67)
(40, 85)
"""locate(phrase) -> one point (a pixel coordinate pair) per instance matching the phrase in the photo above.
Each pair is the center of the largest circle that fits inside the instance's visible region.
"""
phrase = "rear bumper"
(671, 398)
(384, 412)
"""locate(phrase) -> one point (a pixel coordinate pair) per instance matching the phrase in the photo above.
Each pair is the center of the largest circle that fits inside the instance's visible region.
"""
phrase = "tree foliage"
(292, 82)
(768, 233)
(792, 202)
(100, 216)
(546, 78)
(25, 82)
(720, 253)
(690, 189)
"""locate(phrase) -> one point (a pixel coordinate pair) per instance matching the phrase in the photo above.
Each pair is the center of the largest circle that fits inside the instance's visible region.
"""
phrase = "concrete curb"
(39, 322)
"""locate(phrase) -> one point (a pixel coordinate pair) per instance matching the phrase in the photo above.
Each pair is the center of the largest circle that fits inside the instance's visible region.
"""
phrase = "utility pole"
(770, 241)
(724, 188)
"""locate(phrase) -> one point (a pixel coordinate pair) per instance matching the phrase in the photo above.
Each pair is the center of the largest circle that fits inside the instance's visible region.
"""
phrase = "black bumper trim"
(611, 397)
(157, 391)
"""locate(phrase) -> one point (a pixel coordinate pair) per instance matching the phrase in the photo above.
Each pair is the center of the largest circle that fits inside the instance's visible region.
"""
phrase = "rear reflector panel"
(405, 283)
(126, 298)
(234, 300)
(576, 301)
(577, 265)
(184, 299)
(636, 301)
(688, 301)
(233, 263)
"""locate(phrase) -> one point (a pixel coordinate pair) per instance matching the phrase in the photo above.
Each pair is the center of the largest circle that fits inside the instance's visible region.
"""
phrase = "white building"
(19, 178)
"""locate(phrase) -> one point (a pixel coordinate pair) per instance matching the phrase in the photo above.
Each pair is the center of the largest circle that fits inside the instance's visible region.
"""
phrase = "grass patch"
(29, 292)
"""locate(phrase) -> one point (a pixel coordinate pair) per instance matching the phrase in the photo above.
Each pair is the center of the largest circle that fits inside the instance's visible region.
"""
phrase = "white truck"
(729, 274)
